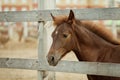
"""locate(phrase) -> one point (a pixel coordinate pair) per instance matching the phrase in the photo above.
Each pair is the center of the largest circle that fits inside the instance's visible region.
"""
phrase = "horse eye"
(65, 35)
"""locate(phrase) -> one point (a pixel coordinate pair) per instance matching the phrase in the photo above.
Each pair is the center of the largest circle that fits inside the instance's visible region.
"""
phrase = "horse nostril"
(52, 58)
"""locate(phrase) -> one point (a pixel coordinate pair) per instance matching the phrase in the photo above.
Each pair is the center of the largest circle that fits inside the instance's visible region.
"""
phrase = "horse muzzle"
(54, 56)
(52, 60)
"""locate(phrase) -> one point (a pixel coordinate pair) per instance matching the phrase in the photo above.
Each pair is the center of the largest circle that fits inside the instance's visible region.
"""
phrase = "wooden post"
(42, 51)
(41, 43)
(114, 25)
(10, 30)
(25, 30)
(114, 28)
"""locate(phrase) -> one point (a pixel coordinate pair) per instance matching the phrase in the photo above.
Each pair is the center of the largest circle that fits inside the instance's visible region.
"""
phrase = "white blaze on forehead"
(56, 32)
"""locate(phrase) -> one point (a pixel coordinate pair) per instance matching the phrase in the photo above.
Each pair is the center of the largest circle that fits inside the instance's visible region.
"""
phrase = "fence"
(96, 68)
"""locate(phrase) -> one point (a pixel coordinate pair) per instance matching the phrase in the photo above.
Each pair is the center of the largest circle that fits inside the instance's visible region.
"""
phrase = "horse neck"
(89, 45)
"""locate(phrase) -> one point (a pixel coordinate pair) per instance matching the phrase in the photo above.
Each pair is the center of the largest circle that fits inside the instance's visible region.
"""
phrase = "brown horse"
(89, 42)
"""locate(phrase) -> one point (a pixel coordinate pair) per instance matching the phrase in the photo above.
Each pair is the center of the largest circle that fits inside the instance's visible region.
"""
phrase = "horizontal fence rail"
(95, 68)
(44, 15)
(17, 63)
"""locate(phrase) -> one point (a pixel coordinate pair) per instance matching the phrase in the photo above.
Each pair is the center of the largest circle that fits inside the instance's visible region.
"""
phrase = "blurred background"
(20, 40)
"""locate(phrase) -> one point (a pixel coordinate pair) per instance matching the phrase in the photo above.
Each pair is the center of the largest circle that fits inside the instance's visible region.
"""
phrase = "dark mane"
(98, 29)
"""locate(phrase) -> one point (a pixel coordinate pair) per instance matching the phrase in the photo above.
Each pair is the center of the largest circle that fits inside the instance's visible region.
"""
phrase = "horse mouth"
(53, 63)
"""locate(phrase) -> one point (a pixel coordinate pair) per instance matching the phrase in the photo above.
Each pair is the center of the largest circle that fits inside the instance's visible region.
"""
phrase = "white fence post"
(44, 4)
(42, 50)
(25, 31)
(41, 41)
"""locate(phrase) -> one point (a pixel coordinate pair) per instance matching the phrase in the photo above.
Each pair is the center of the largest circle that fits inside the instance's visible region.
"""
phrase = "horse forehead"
(57, 32)
(61, 28)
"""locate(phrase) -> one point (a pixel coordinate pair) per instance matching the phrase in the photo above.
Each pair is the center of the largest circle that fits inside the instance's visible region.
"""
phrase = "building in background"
(63, 4)
(18, 5)
(22, 5)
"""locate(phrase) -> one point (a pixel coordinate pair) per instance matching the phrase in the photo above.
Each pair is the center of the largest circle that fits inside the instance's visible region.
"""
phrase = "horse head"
(63, 38)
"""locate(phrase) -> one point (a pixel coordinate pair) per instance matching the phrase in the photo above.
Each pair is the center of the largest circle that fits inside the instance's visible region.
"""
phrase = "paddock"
(40, 64)
(96, 68)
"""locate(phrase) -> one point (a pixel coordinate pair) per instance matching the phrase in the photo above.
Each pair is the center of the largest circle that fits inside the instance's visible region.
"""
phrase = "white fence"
(96, 68)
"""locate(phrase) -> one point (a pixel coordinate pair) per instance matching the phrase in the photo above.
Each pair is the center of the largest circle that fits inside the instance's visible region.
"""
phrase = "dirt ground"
(29, 50)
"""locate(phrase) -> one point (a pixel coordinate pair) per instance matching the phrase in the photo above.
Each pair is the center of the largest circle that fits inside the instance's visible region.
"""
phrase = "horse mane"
(101, 31)
(98, 29)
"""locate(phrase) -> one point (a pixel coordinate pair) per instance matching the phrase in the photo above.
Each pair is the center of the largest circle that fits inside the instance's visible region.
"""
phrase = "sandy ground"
(29, 50)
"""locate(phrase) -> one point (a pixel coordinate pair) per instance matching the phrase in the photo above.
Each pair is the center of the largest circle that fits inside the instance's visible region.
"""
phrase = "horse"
(89, 41)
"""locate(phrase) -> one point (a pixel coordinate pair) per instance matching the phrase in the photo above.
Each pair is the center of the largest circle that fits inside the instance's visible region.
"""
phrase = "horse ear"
(52, 16)
(71, 17)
